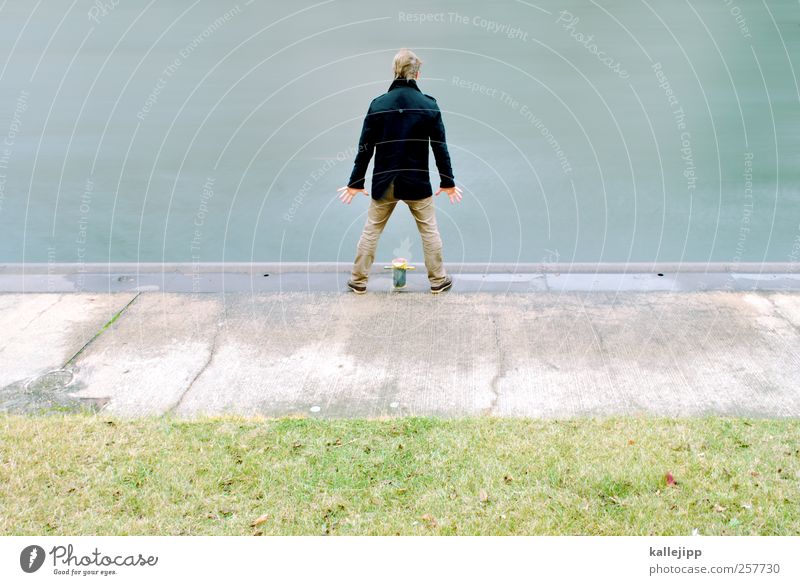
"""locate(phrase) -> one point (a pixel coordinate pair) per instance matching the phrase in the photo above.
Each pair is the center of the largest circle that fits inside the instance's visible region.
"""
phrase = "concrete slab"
(674, 355)
(544, 354)
(343, 355)
(145, 361)
(42, 331)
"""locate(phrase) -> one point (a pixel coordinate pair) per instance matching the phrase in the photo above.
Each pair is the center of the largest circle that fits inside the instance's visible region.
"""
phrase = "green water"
(207, 131)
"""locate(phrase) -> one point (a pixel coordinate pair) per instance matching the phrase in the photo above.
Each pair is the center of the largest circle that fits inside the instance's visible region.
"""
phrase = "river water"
(606, 131)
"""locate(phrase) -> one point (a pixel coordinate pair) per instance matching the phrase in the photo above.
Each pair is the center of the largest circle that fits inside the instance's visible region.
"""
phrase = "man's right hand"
(454, 193)
(346, 194)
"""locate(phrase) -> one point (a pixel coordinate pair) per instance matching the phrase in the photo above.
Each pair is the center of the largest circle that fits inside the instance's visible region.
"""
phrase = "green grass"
(93, 474)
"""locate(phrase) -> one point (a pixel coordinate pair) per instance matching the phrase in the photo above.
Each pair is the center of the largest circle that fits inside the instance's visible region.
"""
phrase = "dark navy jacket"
(399, 126)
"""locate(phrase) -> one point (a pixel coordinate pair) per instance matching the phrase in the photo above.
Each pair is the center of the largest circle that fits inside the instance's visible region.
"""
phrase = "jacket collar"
(404, 83)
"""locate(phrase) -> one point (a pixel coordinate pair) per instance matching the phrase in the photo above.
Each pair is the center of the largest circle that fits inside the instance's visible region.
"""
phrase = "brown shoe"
(359, 289)
(446, 285)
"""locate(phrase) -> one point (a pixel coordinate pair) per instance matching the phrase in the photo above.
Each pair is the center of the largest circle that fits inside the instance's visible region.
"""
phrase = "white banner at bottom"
(418, 560)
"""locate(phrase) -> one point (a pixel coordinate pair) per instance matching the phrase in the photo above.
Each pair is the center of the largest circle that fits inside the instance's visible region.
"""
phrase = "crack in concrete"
(42, 312)
(108, 324)
(174, 407)
(502, 369)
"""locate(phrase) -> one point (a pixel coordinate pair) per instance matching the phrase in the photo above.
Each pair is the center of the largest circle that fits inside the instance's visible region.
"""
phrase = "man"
(398, 127)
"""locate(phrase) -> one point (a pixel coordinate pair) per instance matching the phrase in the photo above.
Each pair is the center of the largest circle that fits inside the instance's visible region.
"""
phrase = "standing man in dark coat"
(398, 127)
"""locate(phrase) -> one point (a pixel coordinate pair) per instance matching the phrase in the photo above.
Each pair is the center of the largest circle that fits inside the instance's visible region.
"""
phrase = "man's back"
(399, 126)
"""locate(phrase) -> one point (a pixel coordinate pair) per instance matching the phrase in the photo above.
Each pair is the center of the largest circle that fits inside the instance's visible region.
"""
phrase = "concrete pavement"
(330, 354)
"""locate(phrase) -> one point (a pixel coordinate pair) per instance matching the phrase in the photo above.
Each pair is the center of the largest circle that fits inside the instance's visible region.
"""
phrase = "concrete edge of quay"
(455, 267)
(331, 277)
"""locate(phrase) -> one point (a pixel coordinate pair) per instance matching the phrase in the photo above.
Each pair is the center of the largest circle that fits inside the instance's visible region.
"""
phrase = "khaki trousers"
(377, 216)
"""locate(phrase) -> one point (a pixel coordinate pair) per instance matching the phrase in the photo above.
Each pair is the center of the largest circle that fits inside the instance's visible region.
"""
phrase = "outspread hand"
(454, 193)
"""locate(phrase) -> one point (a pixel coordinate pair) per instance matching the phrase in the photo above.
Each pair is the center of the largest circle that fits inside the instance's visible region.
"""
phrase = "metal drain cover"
(52, 381)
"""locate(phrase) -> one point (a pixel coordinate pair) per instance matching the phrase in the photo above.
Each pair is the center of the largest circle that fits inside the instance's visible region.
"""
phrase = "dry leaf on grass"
(260, 520)
(429, 520)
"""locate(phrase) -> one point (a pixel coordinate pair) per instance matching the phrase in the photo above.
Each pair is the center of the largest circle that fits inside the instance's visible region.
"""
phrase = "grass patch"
(88, 474)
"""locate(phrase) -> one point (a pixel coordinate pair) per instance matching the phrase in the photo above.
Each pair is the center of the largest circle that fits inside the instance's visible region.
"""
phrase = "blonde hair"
(406, 64)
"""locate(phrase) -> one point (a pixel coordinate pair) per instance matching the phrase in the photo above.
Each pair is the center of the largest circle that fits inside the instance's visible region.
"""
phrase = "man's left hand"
(454, 193)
